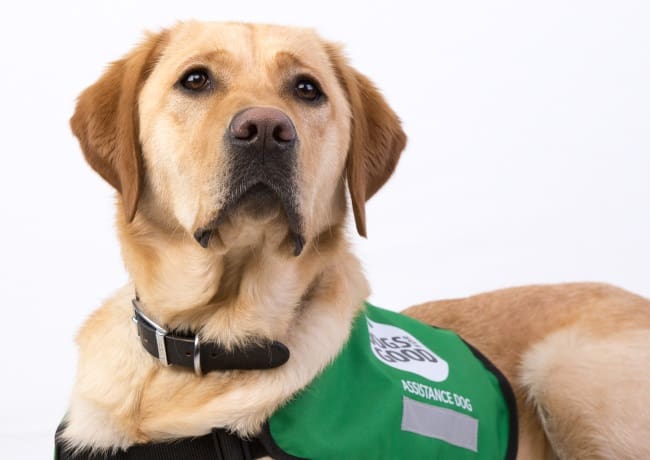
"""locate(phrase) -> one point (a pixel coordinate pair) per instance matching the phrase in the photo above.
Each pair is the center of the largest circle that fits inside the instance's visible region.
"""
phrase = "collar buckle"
(161, 332)
(188, 351)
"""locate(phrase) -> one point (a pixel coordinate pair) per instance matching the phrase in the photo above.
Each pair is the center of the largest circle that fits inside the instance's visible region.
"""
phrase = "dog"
(233, 148)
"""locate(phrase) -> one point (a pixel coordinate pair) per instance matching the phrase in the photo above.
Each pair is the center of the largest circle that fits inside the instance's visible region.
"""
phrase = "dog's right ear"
(106, 121)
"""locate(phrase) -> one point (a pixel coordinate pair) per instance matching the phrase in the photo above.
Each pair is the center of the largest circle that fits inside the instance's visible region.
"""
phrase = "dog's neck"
(226, 295)
(308, 303)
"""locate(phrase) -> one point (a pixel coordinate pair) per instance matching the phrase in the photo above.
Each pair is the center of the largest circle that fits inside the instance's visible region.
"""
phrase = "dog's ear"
(377, 138)
(106, 121)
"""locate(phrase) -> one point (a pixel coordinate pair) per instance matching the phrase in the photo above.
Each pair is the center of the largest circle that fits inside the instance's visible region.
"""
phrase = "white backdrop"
(528, 160)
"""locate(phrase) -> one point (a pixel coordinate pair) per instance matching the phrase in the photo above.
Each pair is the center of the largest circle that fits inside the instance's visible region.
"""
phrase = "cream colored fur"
(589, 392)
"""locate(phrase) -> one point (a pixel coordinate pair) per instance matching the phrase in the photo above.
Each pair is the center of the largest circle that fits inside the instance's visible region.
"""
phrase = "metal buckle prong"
(162, 349)
(197, 356)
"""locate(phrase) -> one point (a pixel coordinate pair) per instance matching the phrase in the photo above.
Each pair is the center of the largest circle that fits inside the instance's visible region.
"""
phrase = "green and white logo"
(397, 348)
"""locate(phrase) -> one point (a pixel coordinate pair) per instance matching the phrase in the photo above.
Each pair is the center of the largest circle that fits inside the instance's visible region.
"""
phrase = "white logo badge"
(399, 349)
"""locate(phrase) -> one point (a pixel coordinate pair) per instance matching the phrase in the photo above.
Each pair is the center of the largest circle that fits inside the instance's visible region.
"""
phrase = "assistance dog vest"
(401, 389)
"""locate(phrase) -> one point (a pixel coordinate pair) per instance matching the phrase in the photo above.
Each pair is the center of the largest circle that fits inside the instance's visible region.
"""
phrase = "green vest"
(400, 389)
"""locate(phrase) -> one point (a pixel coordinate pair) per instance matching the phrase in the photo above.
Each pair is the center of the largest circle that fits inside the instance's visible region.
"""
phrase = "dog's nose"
(263, 128)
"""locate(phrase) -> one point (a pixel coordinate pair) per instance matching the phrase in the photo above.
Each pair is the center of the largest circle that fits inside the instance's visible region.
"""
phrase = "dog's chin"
(259, 207)
(258, 203)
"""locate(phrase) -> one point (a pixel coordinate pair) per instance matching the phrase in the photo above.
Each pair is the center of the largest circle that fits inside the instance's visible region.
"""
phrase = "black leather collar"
(189, 352)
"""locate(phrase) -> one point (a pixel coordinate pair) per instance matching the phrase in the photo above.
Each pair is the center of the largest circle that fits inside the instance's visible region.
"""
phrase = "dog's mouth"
(258, 200)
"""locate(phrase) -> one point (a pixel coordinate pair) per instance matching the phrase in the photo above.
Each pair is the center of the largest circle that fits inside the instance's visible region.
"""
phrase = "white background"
(528, 160)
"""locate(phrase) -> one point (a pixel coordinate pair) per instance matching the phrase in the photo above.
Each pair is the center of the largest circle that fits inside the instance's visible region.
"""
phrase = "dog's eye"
(308, 90)
(196, 80)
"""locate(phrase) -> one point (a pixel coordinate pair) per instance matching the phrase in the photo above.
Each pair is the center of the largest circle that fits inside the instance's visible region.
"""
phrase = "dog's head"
(224, 129)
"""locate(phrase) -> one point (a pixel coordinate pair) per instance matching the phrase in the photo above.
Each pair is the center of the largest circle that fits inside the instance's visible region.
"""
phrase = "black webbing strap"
(230, 447)
(216, 445)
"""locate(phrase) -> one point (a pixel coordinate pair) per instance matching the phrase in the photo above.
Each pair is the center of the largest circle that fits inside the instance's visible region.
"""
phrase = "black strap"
(230, 447)
(219, 444)
(187, 351)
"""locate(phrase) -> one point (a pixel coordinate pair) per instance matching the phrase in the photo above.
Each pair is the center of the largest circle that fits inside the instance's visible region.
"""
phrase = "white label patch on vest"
(397, 348)
(437, 422)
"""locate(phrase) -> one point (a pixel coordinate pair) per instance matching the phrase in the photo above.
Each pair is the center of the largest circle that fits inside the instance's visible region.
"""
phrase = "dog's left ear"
(377, 138)
(106, 121)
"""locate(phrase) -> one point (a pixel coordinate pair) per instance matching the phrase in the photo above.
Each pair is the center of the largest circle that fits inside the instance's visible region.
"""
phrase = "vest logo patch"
(398, 349)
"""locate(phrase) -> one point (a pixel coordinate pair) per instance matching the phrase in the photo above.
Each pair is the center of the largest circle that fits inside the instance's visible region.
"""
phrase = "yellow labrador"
(232, 147)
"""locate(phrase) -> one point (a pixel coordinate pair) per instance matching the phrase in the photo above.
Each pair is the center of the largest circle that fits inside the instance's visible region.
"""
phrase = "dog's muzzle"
(261, 143)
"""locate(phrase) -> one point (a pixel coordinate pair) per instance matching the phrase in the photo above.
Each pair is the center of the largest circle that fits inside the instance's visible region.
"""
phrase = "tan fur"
(163, 152)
